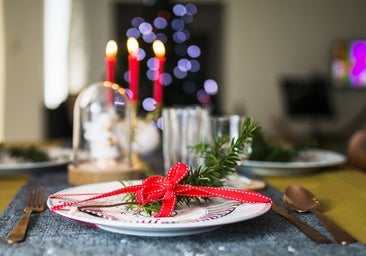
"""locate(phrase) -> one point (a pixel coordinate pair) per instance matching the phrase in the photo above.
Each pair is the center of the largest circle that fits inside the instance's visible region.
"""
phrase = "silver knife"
(306, 229)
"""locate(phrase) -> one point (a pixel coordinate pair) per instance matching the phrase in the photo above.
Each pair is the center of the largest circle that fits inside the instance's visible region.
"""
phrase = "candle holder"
(104, 132)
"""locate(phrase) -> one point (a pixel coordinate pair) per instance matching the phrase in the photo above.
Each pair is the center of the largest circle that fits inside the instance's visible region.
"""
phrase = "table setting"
(73, 223)
(178, 180)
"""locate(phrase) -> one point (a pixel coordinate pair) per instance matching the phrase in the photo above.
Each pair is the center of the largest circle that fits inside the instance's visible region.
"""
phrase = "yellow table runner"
(9, 186)
(342, 196)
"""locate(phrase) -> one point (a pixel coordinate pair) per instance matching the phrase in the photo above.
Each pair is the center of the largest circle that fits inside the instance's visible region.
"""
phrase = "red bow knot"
(166, 189)
(158, 188)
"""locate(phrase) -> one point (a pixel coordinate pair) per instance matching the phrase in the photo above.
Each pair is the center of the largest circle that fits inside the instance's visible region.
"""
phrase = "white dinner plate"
(59, 157)
(307, 161)
(187, 220)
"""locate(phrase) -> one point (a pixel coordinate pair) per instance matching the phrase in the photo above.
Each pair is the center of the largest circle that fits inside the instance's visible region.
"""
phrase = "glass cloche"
(102, 135)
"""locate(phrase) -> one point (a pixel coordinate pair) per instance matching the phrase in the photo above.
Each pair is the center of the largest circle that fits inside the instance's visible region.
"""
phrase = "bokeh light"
(194, 51)
(133, 32)
(149, 104)
(179, 10)
(210, 86)
(166, 79)
(191, 9)
(137, 21)
(145, 28)
(149, 37)
(195, 66)
(186, 59)
(184, 65)
(179, 73)
(160, 23)
(177, 24)
(203, 97)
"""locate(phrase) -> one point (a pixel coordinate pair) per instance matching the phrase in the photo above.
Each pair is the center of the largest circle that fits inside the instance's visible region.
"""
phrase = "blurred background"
(284, 63)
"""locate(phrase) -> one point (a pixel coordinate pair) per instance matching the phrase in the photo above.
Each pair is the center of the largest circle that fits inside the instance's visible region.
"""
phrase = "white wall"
(268, 39)
(2, 70)
(24, 70)
(264, 39)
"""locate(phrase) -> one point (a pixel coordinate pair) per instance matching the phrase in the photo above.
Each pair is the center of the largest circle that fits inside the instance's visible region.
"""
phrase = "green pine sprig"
(220, 160)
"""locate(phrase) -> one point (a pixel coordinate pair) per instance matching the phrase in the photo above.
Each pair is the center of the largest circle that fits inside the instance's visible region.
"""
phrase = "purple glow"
(210, 87)
(203, 97)
(149, 104)
(166, 79)
(141, 54)
(149, 37)
(188, 18)
(126, 76)
(151, 63)
(145, 28)
(177, 24)
(162, 37)
(195, 66)
(160, 23)
(179, 10)
(179, 73)
(184, 65)
(159, 123)
(133, 32)
(150, 74)
(191, 9)
(358, 58)
(194, 51)
(137, 21)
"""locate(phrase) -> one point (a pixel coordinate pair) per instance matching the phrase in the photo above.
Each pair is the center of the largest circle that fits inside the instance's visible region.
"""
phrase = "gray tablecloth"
(269, 234)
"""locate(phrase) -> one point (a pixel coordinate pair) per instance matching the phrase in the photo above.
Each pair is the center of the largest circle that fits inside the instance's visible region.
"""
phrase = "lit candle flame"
(132, 46)
(111, 49)
(158, 48)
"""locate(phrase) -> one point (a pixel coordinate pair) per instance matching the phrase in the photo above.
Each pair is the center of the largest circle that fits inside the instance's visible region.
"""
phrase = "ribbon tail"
(130, 189)
(167, 207)
(244, 196)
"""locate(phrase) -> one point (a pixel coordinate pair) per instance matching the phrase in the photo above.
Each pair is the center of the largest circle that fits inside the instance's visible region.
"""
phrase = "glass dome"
(101, 129)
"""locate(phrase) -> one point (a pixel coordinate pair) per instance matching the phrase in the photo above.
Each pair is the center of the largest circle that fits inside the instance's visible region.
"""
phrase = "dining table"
(340, 189)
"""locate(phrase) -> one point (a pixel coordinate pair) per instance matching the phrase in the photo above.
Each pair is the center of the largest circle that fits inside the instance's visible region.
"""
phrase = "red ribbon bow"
(166, 189)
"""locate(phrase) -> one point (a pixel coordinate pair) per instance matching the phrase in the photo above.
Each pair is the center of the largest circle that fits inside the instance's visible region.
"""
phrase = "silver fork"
(35, 203)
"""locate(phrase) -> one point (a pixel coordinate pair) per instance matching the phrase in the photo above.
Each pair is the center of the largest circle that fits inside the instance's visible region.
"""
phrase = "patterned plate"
(186, 220)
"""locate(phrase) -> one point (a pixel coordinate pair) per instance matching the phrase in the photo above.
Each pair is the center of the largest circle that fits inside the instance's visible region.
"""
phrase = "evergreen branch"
(221, 158)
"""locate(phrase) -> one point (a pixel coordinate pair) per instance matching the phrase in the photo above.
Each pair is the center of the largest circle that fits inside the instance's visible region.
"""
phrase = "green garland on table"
(22, 154)
(221, 158)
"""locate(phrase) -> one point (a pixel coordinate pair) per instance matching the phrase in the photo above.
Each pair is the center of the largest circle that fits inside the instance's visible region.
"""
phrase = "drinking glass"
(184, 127)
(228, 127)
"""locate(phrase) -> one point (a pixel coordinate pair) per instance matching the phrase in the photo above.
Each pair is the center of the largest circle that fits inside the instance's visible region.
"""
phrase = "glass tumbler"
(184, 127)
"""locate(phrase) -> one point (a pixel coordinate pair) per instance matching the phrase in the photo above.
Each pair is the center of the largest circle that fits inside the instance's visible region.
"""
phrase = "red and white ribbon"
(166, 189)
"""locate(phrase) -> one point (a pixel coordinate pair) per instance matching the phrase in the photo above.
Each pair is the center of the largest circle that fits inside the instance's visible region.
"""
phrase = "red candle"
(133, 63)
(110, 61)
(159, 51)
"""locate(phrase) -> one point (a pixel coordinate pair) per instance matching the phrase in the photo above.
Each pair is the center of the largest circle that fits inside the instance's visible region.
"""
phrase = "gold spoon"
(302, 200)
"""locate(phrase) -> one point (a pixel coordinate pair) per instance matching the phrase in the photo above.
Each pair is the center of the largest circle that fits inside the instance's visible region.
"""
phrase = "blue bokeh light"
(184, 65)
(160, 23)
(179, 9)
(210, 86)
(135, 22)
(133, 32)
(149, 104)
(194, 51)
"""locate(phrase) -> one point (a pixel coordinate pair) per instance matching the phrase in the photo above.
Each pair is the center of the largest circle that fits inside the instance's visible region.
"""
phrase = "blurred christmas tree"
(184, 76)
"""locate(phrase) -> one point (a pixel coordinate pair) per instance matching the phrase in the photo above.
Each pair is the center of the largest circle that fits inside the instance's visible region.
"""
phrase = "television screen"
(348, 63)
(306, 98)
